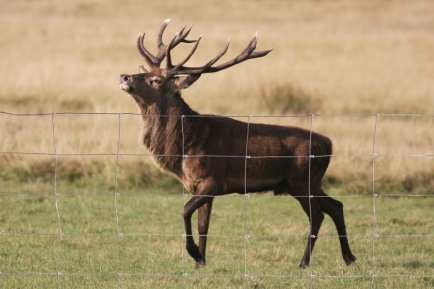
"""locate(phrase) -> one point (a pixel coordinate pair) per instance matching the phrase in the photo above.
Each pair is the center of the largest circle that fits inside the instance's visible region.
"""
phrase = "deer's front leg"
(192, 205)
(204, 215)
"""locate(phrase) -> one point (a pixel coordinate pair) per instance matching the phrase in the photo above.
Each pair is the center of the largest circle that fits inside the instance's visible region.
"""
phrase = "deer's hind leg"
(312, 209)
(316, 217)
(335, 210)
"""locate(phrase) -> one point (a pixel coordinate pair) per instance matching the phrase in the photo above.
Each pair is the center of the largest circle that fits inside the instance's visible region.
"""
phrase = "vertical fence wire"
(183, 202)
(56, 195)
(246, 236)
(374, 196)
(116, 194)
(310, 196)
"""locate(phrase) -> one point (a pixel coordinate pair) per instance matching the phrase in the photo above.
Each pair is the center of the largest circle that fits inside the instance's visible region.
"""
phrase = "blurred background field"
(329, 57)
(344, 61)
(347, 56)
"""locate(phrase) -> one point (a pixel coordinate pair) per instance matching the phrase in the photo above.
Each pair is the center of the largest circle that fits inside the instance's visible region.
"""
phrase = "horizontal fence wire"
(183, 196)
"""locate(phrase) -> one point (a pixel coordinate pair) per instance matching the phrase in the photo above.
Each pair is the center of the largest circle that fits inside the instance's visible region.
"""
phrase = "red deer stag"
(215, 155)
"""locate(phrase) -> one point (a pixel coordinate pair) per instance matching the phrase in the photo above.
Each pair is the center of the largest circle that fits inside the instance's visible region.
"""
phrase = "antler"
(164, 51)
(155, 61)
(247, 53)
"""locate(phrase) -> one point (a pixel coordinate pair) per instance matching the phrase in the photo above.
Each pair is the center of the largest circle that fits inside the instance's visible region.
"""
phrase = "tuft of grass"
(77, 105)
(287, 98)
(416, 183)
(38, 105)
(90, 175)
(420, 183)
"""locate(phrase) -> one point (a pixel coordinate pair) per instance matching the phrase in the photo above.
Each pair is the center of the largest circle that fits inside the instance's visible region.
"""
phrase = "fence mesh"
(144, 237)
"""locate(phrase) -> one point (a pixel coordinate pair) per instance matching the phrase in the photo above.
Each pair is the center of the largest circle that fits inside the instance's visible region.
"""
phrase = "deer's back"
(274, 154)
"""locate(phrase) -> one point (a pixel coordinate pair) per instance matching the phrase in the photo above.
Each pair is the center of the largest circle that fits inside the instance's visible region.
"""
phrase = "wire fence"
(372, 269)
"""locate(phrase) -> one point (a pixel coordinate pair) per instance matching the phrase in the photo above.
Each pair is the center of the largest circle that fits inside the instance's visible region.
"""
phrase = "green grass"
(149, 250)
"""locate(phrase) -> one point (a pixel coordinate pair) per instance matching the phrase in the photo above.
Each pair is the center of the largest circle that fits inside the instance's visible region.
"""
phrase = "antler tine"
(215, 59)
(149, 58)
(155, 61)
(161, 47)
(188, 56)
(185, 35)
(250, 47)
(180, 69)
(178, 39)
(247, 53)
(160, 34)
(182, 35)
(182, 30)
(167, 52)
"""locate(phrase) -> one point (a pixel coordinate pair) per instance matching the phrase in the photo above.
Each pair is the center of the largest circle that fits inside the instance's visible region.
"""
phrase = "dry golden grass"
(350, 57)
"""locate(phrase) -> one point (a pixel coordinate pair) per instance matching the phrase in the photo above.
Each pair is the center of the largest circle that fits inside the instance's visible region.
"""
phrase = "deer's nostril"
(123, 78)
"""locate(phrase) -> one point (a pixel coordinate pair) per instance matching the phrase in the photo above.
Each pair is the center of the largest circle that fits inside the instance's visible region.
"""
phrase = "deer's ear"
(142, 69)
(182, 82)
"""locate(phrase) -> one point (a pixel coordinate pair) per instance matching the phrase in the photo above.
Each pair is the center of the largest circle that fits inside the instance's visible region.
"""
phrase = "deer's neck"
(163, 132)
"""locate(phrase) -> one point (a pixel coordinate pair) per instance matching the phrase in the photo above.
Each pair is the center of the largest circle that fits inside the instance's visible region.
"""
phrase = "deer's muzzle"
(124, 81)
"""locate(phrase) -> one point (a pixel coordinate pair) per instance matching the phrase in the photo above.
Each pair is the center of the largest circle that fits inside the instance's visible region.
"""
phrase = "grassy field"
(344, 61)
(149, 250)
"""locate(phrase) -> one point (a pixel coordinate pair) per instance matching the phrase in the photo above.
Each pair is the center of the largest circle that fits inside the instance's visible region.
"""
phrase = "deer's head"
(151, 85)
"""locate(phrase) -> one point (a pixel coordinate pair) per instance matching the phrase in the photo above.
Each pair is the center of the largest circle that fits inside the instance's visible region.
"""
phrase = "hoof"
(350, 259)
(194, 253)
(200, 264)
(303, 265)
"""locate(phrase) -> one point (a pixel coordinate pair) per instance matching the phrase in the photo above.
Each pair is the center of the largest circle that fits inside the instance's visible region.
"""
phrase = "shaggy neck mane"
(162, 132)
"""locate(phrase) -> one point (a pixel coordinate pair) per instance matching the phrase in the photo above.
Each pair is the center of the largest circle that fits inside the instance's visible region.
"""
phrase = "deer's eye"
(156, 81)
